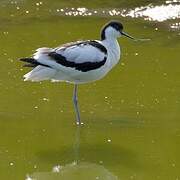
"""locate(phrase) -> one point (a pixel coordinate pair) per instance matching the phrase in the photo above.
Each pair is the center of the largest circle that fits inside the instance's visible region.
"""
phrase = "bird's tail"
(40, 72)
(31, 62)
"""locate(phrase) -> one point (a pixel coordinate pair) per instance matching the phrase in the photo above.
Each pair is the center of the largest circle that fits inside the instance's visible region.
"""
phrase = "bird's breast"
(113, 55)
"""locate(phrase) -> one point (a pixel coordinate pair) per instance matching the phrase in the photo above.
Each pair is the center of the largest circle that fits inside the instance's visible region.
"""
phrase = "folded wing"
(82, 56)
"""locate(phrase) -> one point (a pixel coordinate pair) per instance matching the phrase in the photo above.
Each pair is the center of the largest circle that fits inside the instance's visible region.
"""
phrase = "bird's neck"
(113, 49)
(112, 44)
(111, 40)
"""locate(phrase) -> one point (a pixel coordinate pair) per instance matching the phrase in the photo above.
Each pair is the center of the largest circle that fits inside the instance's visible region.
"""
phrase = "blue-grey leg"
(75, 101)
(76, 145)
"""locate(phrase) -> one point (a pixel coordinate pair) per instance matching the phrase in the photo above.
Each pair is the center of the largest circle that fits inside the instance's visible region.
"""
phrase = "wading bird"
(78, 62)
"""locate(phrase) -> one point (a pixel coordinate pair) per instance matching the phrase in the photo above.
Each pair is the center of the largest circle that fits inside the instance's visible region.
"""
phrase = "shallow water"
(131, 117)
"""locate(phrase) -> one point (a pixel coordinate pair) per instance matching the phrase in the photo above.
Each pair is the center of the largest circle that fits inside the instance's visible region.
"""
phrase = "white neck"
(113, 49)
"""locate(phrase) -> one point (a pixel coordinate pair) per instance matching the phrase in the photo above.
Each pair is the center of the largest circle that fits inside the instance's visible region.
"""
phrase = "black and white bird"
(78, 62)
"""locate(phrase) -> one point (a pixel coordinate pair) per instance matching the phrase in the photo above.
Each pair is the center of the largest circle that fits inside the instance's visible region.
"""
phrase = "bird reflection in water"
(75, 170)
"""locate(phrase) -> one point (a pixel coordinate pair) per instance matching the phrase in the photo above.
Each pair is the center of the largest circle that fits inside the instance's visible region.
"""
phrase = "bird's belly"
(80, 77)
(90, 76)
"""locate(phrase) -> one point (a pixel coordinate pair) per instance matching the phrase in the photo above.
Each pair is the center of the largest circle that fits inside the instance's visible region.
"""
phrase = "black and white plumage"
(67, 62)
(77, 62)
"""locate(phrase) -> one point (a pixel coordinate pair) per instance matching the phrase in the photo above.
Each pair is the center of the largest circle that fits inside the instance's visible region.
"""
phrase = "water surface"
(131, 117)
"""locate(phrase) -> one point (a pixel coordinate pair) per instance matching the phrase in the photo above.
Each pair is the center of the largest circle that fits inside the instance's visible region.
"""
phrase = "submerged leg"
(75, 101)
(76, 146)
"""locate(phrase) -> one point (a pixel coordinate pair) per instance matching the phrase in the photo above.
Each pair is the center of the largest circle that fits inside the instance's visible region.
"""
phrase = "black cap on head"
(115, 24)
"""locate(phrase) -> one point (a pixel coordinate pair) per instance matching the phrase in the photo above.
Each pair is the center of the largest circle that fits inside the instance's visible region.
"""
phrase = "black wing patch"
(98, 45)
(84, 67)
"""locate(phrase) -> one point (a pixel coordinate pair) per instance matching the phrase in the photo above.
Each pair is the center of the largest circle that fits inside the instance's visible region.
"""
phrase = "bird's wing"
(84, 51)
(82, 56)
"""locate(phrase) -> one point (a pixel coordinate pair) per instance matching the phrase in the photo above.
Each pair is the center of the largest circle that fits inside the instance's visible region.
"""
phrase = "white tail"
(40, 73)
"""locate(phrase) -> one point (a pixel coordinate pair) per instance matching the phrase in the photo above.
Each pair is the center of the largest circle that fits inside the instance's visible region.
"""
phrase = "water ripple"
(156, 13)
(170, 10)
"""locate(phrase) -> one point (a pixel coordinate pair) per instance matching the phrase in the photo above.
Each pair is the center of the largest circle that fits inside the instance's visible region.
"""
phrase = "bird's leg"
(75, 101)
(77, 142)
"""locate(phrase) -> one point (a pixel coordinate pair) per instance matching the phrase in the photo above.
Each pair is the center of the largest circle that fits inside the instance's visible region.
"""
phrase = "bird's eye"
(117, 27)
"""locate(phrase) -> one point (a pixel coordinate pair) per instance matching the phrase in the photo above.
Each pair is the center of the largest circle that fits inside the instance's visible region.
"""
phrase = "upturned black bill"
(135, 39)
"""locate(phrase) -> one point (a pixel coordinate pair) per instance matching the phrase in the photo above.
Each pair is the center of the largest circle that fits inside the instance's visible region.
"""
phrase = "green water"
(131, 117)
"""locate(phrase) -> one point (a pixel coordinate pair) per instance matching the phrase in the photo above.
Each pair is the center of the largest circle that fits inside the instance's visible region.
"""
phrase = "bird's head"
(113, 29)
